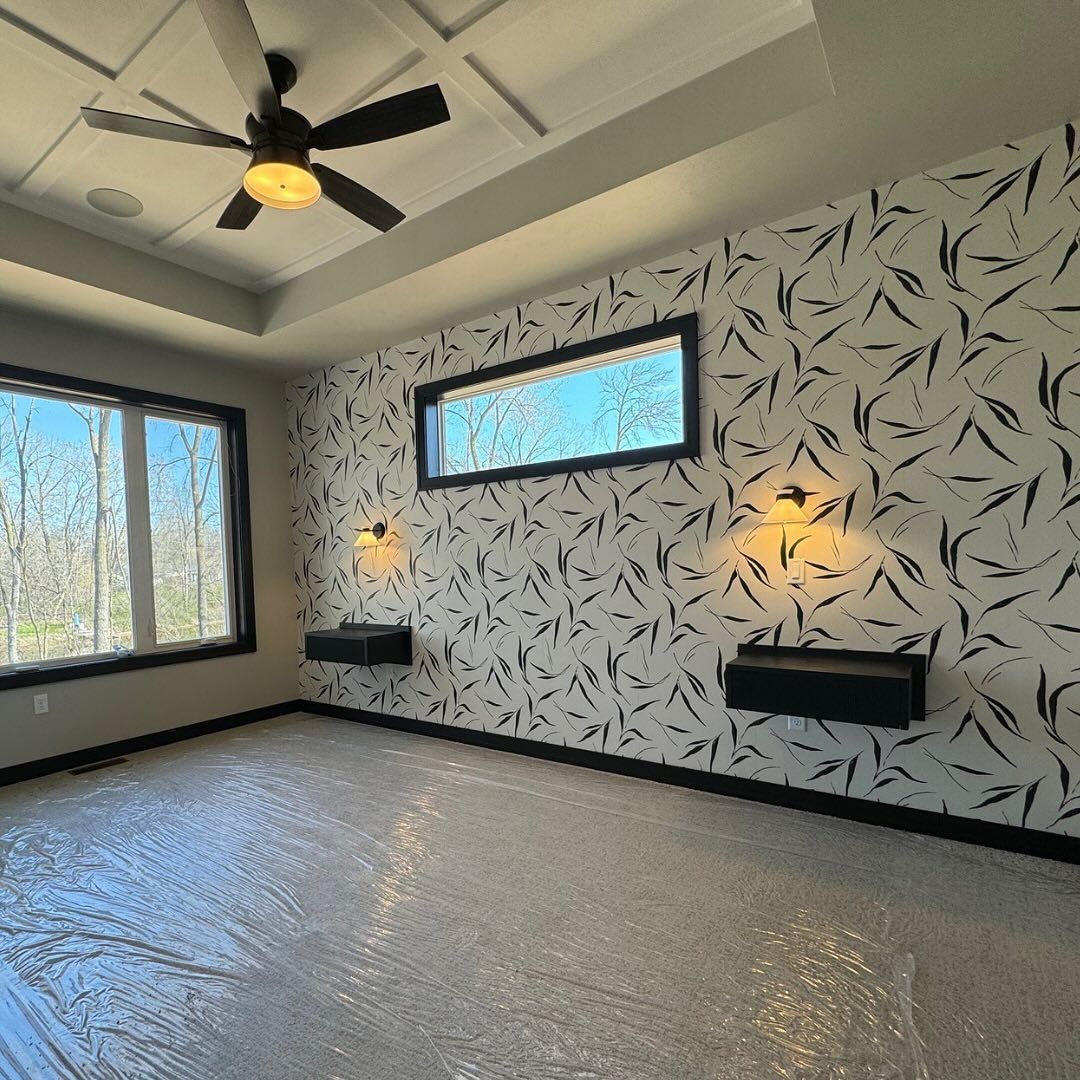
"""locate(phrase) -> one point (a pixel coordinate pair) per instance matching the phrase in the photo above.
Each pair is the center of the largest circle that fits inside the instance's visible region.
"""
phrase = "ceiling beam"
(38, 243)
(506, 109)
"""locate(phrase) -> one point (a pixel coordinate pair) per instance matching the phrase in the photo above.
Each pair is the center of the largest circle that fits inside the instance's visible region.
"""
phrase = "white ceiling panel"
(109, 34)
(170, 180)
(567, 57)
(194, 79)
(275, 238)
(40, 103)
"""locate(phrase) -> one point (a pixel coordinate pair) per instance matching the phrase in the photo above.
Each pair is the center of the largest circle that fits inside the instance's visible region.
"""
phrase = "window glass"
(594, 409)
(187, 530)
(124, 535)
(625, 399)
(64, 568)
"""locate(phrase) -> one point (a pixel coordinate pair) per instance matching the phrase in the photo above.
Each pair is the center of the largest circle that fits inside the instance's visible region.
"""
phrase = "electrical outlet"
(796, 723)
(41, 704)
(796, 572)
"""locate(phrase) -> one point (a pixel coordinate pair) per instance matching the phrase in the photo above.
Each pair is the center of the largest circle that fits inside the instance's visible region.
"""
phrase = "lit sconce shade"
(788, 508)
(370, 535)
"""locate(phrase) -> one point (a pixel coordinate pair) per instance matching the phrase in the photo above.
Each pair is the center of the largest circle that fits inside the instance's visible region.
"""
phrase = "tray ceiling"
(521, 77)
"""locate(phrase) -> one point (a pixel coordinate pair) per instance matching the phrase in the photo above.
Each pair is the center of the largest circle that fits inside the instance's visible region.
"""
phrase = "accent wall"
(909, 356)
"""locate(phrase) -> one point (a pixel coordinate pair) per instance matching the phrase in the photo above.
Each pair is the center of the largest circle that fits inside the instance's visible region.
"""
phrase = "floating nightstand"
(841, 685)
(364, 644)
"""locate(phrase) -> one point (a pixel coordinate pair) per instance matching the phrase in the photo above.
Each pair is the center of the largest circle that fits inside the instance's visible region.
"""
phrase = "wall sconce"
(370, 535)
(788, 508)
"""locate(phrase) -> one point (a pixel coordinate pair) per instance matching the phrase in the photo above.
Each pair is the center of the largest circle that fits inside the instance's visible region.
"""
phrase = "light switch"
(796, 572)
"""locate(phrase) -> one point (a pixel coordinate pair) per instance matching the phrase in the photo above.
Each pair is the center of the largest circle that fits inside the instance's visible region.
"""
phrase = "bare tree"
(185, 512)
(62, 491)
(511, 427)
(14, 482)
(200, 473)
(638, 400)
(98, 422)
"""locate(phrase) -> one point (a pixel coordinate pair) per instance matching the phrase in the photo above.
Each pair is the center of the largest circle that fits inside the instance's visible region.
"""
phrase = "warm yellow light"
(282, 185)
(370, 535)
(787, 510)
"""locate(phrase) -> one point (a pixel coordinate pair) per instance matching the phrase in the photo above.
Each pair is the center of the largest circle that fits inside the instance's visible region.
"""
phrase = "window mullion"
(138, 515)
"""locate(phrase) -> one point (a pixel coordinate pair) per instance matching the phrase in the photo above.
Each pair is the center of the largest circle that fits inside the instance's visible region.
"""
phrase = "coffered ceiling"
(585, 137)
(521, 77)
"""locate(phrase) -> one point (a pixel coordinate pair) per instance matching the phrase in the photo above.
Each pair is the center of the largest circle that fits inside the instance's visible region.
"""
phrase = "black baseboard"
(30, 770)
(966, 830)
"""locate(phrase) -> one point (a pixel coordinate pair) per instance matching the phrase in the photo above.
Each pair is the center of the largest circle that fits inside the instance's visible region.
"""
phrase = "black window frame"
(428, 396)
(234, 424)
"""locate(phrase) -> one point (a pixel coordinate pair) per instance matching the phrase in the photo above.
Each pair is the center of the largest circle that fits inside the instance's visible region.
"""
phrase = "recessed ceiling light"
(116, 203)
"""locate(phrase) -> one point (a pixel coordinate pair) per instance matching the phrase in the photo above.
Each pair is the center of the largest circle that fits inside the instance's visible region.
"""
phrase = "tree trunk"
(199, 529)
(11, 611)
(13, 593)
(15, 528)
(99, 447)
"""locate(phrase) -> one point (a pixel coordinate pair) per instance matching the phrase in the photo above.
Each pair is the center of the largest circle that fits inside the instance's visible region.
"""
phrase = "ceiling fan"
(280, 173)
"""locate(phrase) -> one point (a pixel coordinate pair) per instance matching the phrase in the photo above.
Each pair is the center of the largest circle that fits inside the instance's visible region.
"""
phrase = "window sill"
(115, 664)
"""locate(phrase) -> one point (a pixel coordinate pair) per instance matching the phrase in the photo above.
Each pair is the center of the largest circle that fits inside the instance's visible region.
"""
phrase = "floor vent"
(93, 767)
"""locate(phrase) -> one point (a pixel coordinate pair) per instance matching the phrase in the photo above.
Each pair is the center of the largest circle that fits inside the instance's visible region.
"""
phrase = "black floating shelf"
(845, 686)
(361, 643)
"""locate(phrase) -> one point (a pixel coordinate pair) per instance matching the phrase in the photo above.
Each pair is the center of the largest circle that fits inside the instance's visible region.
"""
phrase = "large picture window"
(624, 399)
(124, 535)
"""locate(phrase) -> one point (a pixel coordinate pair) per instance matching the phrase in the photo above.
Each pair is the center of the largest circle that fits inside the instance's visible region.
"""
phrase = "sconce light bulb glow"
(370, 535)
(787, 510)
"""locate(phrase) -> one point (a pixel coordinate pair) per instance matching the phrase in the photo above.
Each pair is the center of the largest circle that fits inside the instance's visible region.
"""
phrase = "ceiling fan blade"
(240, 212)
(235, 38)
(159, 129)
(356, 198)
(398, 115)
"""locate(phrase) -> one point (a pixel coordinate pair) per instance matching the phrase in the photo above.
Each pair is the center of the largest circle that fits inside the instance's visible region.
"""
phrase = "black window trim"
(427, 397)
(234, 421)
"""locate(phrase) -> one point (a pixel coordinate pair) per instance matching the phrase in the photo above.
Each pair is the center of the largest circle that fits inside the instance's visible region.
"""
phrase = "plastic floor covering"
(312, 898)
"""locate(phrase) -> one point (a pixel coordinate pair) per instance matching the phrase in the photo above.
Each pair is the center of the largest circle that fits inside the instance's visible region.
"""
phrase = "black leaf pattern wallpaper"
(909, 356)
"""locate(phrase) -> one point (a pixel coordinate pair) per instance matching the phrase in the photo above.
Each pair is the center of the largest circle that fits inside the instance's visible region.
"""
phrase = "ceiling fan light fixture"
(279, 174)
(281, 177)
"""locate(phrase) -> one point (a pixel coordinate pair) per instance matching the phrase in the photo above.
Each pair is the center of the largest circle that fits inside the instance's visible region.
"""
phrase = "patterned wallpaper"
(910, 356)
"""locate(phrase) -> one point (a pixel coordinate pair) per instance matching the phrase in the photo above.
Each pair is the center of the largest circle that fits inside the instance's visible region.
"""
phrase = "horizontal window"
(624, 399)
(124, 538)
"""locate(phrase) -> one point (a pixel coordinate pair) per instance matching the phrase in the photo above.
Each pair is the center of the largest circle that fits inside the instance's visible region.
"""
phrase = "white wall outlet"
(796, 572)
(41, 704)
(796, 723)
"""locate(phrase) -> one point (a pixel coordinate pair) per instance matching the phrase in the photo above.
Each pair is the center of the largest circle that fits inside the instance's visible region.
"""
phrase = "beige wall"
(88, 712)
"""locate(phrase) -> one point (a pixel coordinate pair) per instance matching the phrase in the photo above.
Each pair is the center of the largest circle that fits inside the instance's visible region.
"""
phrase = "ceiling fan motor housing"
(286, 143)
(292, 132)
(282, 72)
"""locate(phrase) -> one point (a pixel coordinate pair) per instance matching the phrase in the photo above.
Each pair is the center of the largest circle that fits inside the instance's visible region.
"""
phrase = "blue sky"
(56, 419)
(581, 400)
(581, 392)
